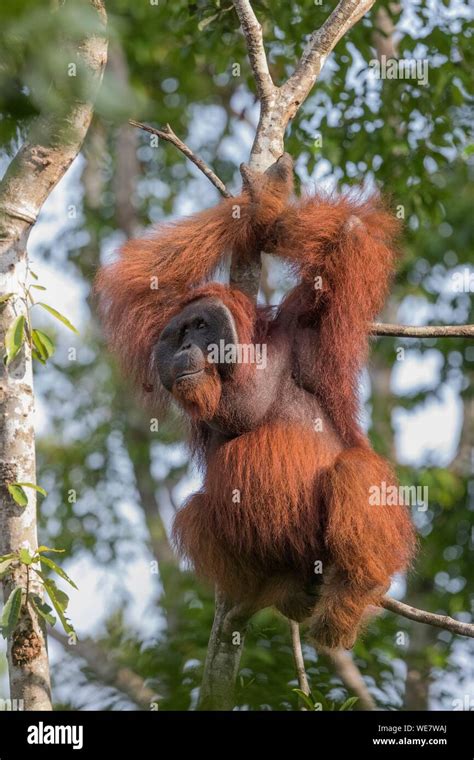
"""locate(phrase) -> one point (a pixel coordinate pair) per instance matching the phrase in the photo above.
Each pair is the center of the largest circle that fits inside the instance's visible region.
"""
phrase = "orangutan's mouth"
(184, 375)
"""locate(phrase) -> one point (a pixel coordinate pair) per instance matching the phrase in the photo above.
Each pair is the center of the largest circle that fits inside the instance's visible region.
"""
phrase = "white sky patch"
(417, 372)
(101, 586)
(429, 432)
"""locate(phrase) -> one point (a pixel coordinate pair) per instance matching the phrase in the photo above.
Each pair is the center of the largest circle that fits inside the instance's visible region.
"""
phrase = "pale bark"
(429, 618)
(278, 105)
(223, 656)
(428, 331)
(298, 657)
(27, 649)
(46, 154)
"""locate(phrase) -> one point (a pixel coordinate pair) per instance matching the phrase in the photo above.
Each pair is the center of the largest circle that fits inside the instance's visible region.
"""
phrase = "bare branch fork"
(280, 104)
(342, 660)
(343, 664)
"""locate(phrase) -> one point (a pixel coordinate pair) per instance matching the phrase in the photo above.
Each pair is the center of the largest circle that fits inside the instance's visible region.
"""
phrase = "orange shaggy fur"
(280, 497)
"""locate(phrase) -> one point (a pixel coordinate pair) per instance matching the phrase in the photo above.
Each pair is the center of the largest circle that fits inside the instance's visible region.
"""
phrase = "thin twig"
(429, 618)
(252, 31)
(299, 659)
(430, 331)
(167, 134)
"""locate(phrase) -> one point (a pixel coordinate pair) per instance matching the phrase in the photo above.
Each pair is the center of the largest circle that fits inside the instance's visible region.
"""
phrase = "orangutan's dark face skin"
(182, 349)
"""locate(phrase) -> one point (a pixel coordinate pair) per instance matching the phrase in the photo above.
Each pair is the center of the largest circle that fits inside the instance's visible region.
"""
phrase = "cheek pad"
(163, 361)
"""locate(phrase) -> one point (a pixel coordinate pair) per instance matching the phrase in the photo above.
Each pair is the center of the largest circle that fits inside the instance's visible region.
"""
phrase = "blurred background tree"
(113, 481)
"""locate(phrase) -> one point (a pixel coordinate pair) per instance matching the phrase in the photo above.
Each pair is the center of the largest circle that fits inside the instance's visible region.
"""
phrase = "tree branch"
(321, 42)
(108, 672)
(223, 655)
(167, 134)
(52, 144)
(429, 618)
(252, 31)
(350, 676)
(430, 331)
(299, 659)
(279, 104)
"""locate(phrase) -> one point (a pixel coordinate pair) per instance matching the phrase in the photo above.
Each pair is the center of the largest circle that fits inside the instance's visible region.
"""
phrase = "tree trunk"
(223, 656)
(27, 649)
(49, 149)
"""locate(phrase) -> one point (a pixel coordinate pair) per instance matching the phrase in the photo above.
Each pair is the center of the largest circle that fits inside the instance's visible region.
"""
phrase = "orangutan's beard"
(199, 397)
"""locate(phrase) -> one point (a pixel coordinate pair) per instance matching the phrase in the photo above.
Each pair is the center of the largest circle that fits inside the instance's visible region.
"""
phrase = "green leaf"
(61, 595)
(32, 485)
(43, 343)
(18, 494)
(25, 557)
(43, 548)
(33, 274)
(43, 609)
(53, 566)
(38, 287)
(57, 600)
(6, 297)
(206, 21)
(305, 698)
(14, 338)
(11, 612)
(5, 565)
(58, 316)
(4, 557)
(349, 703)
(36, 355)
(318, 696)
